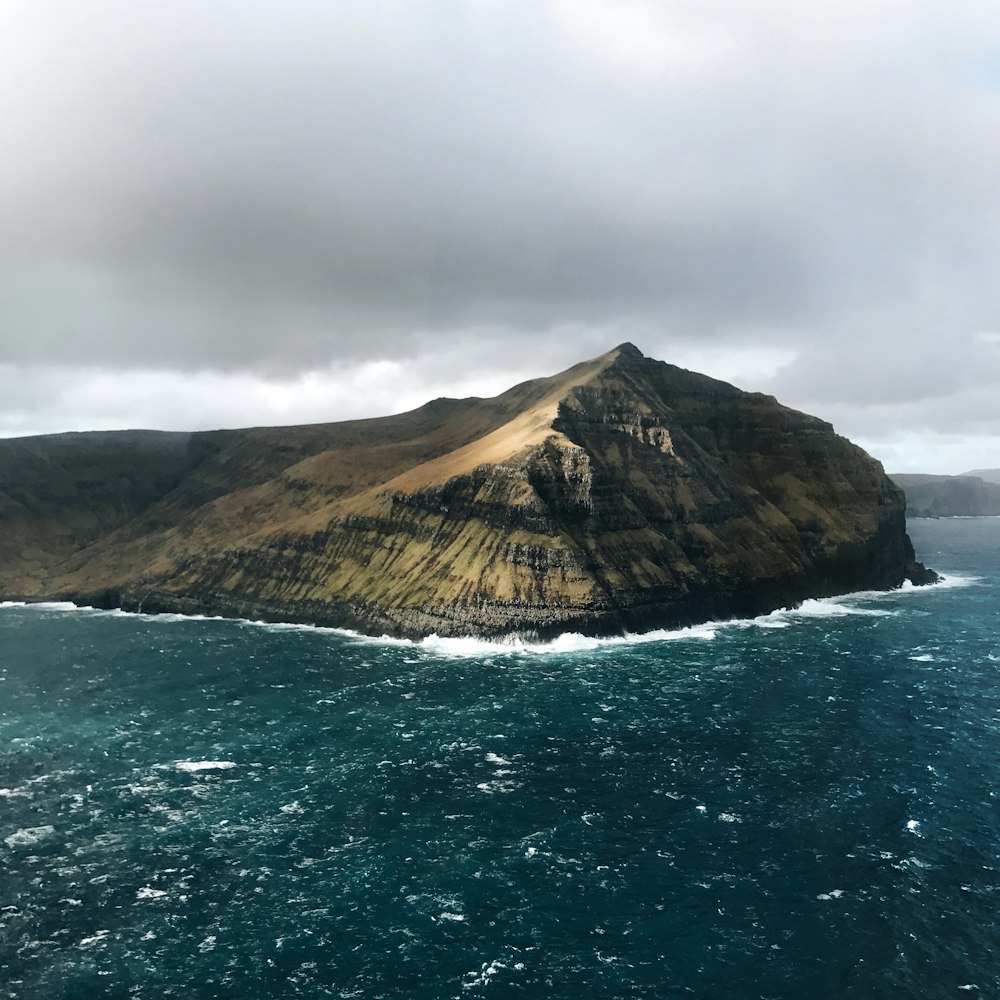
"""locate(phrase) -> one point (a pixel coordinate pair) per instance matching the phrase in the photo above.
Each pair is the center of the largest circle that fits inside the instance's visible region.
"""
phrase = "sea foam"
(29, 835)
(470, 647)
(204, 765)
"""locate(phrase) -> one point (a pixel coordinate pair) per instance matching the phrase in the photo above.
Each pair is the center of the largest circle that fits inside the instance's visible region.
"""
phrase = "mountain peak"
(629, 350)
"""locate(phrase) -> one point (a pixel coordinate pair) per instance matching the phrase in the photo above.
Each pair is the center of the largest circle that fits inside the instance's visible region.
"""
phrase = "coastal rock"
(622, 494)
(950, 496)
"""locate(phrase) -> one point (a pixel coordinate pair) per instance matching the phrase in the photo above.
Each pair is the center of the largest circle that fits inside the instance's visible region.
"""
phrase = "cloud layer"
(240, 195)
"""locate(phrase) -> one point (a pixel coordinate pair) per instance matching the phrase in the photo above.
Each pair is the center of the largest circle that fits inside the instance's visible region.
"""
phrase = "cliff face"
(622, 494)
(949, 496)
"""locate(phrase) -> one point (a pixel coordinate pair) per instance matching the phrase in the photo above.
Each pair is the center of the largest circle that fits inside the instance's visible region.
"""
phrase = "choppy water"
(803, 806)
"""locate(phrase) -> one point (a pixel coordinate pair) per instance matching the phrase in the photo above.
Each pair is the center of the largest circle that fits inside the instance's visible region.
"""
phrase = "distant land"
(621, 494)
(987, 475)
(972, 494)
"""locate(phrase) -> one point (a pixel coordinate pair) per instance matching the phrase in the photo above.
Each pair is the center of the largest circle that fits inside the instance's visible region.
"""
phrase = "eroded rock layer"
(624, 493)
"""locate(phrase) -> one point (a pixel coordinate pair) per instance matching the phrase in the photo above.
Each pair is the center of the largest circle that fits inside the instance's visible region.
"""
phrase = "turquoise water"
(804, 805)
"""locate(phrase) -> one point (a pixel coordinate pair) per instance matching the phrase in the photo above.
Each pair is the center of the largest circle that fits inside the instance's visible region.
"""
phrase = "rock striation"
(622, 494)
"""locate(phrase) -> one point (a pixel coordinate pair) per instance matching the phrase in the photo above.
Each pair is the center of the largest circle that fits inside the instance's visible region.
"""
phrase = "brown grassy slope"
(75, 508)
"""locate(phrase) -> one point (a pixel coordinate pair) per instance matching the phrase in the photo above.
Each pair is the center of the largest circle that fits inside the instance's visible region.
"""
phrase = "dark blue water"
(805, 806)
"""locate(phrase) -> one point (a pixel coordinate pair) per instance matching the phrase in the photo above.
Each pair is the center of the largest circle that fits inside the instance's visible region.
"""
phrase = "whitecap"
(487, 971)
(148, 892)
(574, 642)
(95, 938)
(831, 607)
(497, 787)
(28, 835)
(204, 765)
(568, 642)
(947, 580)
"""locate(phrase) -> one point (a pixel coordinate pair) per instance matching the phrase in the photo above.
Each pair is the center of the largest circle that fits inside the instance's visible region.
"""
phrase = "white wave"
(488, 970)
(29, 835)
(947, 581)
(498, 786)
(569, 642)
(96, 938)
(50, 605)
(470, 647)
(148, 892)
(204, 765)
(841, 606)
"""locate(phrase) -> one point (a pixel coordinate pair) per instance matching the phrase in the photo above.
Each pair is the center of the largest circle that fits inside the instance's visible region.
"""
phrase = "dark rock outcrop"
(624, 493)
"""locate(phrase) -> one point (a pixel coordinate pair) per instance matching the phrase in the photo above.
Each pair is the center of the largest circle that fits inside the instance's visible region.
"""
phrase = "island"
(623, 494)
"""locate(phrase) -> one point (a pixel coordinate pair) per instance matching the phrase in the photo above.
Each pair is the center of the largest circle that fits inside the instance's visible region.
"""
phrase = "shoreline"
(835, 606)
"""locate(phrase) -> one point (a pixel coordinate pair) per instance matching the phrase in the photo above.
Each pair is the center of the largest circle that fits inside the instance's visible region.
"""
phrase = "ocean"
(801, 805)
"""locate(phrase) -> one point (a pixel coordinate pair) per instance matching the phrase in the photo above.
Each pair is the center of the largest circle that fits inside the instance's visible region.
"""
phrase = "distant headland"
(972, 494)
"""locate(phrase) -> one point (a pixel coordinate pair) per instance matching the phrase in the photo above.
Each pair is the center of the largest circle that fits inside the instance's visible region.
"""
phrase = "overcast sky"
(232, 213)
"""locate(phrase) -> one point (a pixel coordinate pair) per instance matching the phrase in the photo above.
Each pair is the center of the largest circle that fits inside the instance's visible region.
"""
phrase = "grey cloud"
(232, 187)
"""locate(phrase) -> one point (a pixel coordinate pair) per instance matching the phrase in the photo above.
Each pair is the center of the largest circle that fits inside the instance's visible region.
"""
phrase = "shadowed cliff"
(970, 495)
(624, 493)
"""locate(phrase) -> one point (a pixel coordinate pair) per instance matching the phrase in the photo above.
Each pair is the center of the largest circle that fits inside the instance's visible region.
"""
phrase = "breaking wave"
(466, 647)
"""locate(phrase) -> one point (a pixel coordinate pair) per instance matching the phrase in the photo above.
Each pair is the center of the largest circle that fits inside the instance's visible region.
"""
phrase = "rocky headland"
(973, 494)
(622, 494)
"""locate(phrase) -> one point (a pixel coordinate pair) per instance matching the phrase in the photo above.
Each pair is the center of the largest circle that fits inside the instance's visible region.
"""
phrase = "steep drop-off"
(623, 493)
(949, 496)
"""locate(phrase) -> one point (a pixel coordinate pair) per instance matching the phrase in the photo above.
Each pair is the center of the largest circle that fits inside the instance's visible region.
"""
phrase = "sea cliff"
(949, 496)
(622, 494)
